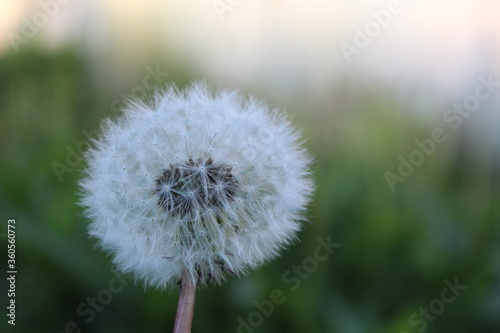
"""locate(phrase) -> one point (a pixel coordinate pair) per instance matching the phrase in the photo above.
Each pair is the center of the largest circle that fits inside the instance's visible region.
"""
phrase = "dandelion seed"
(195, 186)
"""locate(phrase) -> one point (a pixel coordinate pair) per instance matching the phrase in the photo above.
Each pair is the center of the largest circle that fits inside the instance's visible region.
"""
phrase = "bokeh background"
(67, 64)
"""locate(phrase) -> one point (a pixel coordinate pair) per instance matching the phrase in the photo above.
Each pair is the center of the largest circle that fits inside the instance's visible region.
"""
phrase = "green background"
(395, 250)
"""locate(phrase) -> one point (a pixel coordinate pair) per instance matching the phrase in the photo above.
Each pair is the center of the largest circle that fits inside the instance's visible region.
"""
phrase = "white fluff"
(235, 184)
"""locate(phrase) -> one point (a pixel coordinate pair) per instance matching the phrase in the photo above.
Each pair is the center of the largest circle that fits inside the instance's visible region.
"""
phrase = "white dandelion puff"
(201, 183)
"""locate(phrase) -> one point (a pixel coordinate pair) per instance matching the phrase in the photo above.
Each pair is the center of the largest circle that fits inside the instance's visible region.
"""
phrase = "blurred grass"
(396, 248)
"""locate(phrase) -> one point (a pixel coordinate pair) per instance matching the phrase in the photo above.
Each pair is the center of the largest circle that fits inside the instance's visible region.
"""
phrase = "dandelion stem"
(184, 317)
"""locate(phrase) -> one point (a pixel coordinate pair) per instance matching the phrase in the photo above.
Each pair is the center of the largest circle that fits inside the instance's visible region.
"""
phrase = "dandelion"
(195, 186)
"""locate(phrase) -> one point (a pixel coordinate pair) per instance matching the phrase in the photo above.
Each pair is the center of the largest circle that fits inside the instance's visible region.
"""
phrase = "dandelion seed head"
(209, 183)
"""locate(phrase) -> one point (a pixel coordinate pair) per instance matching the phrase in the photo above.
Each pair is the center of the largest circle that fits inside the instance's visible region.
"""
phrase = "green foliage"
(396, 248)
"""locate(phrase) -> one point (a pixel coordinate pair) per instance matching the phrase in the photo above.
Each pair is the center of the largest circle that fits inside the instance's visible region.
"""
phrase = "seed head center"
(194, 186)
